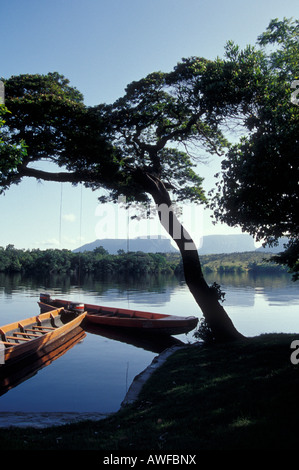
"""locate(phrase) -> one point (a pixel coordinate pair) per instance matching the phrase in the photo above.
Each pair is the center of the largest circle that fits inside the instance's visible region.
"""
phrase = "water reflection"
(94, 375)
(248, 279)
(13, 375)
(244, 289)
(159, 284)
(137, 286)
(148, 342)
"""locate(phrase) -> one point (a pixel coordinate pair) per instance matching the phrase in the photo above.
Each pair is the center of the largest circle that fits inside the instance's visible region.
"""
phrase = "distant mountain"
(216, 244)
(274, 249)
(146, 245)
(212, 244)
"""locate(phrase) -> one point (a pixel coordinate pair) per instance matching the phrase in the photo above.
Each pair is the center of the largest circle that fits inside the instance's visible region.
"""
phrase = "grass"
(221, 397)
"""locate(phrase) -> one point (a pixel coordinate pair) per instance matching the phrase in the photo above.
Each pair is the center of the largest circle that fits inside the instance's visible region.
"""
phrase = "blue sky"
(101, 46)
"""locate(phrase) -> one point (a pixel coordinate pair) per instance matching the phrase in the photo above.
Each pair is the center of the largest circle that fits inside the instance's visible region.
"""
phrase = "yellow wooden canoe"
(11, 375)
(22, 338)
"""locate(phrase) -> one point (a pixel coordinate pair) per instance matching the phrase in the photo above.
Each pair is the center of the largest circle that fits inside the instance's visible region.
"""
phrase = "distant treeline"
(49, 261)
(99, 261)
(249, 261)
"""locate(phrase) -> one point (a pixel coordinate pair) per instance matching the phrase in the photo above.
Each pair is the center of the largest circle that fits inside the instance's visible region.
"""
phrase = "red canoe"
(124, 318)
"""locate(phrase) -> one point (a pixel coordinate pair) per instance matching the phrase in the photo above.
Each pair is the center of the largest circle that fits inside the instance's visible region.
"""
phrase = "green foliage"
(103, 146)
(258, 189)
(290, 258)
(49, 116)
(204, 332)
(99, 261)
(11, 154)
(238, 263)
(217, 292)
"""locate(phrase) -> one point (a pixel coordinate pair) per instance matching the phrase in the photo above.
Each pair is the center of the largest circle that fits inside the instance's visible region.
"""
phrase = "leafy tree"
(259, 186)
(100, 250)
(49, 115)
(146, 127)
(143, 145)
(11, 153)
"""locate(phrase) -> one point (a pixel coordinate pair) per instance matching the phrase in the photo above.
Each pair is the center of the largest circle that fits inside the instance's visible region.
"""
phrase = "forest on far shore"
(99, 261)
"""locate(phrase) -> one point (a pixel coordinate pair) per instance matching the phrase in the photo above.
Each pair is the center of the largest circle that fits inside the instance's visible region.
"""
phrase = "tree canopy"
(11, 154)
(49, 116)
(147, 143)
(258, 189)
(154, 130)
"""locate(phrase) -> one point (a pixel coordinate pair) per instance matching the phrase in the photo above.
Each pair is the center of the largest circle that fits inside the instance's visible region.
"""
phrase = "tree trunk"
(213, 312)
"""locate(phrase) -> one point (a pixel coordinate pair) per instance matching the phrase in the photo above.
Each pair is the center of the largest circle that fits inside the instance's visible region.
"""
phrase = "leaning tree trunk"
(213, 312)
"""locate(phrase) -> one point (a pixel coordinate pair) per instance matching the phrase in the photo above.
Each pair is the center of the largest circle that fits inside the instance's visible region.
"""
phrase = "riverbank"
(99, 262)
(221, 397)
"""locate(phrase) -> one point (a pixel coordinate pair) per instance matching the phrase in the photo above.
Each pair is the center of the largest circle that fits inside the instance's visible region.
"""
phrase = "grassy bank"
(237, 396)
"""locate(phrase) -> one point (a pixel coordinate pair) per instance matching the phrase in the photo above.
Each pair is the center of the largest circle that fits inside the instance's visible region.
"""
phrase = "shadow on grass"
(222, 397)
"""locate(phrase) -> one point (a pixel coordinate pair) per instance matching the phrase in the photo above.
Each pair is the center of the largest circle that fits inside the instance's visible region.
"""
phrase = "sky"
(101, 46)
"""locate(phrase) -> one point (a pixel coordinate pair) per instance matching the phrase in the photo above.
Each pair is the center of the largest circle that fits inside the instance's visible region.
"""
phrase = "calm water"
(94, 375)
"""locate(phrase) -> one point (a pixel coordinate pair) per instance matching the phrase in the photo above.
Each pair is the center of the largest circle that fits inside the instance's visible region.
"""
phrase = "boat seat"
(26, 334)
(45, 327)
(18, 339)
(6, 343)
(36, 331)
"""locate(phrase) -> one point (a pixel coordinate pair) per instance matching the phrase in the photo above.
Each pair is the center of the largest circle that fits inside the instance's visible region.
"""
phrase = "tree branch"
(62, 177)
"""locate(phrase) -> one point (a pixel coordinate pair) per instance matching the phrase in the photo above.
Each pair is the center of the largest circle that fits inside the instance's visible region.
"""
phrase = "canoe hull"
(155, 326)
(33, 334)
(11, 375)
(129, 319)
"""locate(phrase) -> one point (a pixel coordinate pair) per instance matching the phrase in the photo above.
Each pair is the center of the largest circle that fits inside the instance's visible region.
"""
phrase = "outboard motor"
(76, 307)
(45, 298)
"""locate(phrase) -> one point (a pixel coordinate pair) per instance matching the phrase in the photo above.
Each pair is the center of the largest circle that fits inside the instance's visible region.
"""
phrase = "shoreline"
(46, 419)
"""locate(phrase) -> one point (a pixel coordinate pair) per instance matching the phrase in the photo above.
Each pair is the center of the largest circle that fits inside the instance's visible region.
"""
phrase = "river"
(94, 375)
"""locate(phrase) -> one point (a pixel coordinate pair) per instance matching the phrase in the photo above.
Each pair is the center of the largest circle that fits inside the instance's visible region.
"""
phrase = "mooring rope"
(60, 216)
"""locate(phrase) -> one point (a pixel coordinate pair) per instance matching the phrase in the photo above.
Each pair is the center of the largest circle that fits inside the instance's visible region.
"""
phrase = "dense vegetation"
(249, 261)
(65, 261)
(99, 261)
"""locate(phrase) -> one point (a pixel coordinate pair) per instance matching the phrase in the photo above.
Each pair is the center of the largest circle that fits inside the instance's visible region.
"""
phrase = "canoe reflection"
(13, 375)
(147, 341)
